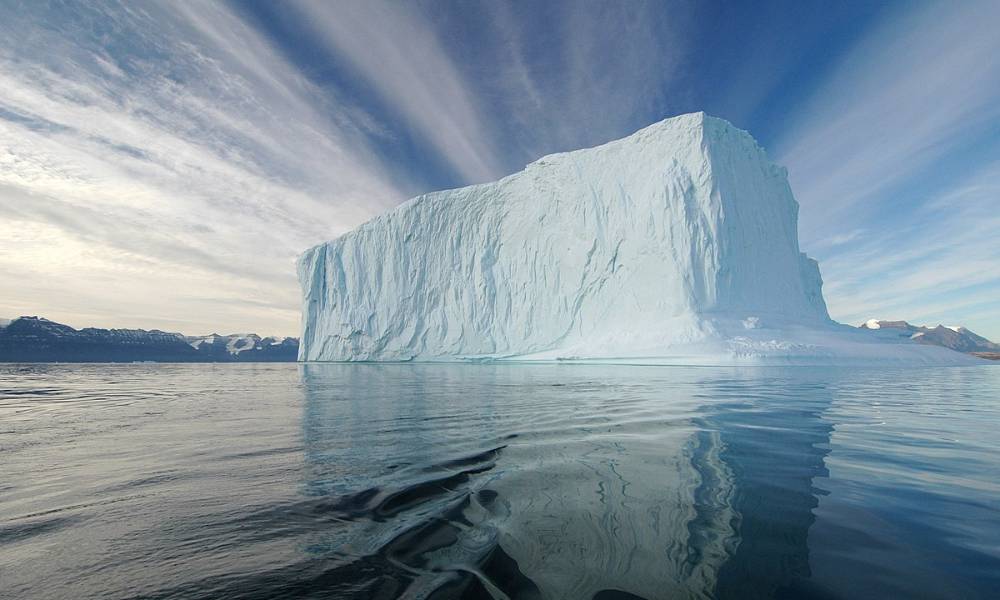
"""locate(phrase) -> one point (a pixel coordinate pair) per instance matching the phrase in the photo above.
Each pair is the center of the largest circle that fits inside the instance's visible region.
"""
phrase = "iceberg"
(677, 244)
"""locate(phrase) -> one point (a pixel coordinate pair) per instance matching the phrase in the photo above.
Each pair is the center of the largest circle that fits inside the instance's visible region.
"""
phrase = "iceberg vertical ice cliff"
(676, 243)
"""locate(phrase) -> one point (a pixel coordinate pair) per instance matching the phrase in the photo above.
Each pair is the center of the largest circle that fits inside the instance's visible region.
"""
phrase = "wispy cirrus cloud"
(573, 75)
(939, 265)
(164, 163)
(175, 138)
(393, 47)
(181, 151)
(894, 161)
(910, 94)
(507, 82)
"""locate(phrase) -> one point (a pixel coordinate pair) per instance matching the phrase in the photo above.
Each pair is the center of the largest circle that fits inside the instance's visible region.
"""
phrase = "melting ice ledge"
(675, 245)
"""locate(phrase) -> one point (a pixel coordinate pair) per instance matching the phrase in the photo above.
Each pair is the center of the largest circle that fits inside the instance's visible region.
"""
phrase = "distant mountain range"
(34, 339)
(956, 338)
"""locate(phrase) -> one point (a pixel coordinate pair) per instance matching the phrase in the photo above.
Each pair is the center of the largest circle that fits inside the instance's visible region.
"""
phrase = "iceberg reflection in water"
(517, 481)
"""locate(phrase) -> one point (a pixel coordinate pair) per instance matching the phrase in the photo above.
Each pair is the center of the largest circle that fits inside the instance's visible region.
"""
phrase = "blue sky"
(162, 164)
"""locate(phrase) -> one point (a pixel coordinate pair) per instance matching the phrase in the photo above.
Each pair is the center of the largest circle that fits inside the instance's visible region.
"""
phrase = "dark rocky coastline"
(34, 339)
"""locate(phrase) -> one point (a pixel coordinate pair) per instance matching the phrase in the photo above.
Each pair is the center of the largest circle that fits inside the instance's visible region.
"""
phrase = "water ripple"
(497, 481)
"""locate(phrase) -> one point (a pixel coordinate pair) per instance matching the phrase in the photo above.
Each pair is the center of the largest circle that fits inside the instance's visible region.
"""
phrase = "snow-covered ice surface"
(675, 245)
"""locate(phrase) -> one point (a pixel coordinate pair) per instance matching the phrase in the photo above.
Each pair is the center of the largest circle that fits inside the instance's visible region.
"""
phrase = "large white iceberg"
(677, 244)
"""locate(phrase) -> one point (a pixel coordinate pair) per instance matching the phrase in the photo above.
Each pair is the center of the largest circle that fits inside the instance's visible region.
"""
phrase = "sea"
(574, 481)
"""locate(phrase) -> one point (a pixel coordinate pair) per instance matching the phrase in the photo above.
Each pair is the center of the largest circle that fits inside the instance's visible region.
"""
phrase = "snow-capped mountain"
(34, 339)
(953, 337)
(245, 346)
(676, 244)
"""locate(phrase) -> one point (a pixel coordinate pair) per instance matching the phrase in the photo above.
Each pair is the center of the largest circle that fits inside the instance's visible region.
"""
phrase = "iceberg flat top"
(675, 244)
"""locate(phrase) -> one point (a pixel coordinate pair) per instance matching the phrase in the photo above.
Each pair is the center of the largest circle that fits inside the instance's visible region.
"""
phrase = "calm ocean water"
(503, 481)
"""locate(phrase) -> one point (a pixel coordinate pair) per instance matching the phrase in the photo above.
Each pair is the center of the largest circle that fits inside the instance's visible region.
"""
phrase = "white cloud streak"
(604, 72)
(162, 164)
(393, 47)
(189, 163)
(943, 266)
(593, 73)
(909, 93)
(156, 158)
(913, 95)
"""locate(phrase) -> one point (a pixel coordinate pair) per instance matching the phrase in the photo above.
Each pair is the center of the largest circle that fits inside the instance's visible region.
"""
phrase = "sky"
(162, 164)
